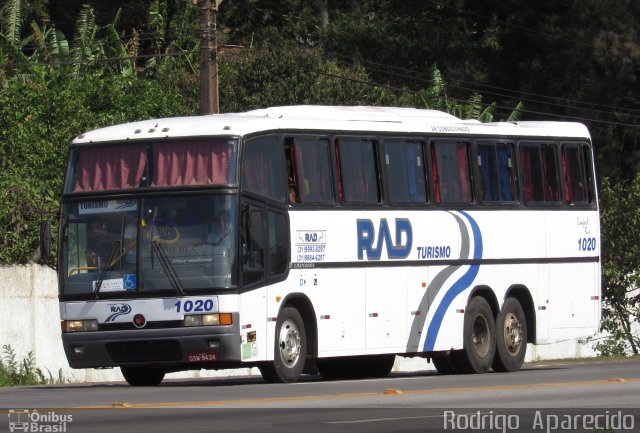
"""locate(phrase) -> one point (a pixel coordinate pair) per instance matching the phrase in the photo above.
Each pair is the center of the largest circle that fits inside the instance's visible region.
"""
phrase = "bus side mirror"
(45, 241)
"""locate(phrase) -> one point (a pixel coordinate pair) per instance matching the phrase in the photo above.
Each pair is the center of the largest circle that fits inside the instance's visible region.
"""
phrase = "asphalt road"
(553, 397)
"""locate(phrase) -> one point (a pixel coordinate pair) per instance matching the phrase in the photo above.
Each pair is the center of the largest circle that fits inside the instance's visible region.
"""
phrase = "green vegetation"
(25, 372)
(74, 65)
(620, 221)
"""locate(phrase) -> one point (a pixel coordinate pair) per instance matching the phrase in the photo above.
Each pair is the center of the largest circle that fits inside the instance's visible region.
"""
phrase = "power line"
(565, 103)
(336, 76)
(524, 110)
(497, 91)
(524, 96)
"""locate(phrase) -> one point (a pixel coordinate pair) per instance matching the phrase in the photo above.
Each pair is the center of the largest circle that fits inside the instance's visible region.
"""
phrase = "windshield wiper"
(167, 267)
(107, 267)
(121, 242)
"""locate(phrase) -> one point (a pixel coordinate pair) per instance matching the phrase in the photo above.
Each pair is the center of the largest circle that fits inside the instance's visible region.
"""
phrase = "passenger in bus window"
(293, 193)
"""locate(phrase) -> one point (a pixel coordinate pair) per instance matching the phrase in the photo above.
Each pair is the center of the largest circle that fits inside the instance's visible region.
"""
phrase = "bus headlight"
(79, 325)
(213, 319)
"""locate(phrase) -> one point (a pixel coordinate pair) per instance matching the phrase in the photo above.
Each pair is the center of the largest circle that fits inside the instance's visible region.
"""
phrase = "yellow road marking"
(266, 400)
(358, 395)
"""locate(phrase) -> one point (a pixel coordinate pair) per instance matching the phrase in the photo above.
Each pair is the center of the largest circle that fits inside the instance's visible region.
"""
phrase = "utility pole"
(209, 103)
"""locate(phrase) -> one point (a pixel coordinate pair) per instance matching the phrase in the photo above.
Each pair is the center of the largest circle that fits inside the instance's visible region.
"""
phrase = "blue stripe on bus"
(458, 287)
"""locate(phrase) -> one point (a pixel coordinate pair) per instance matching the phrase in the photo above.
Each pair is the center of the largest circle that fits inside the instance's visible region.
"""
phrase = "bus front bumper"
(171, 348)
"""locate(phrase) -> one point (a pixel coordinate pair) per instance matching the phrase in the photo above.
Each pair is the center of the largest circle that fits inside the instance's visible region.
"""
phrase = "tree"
(39, 118)
(620, 222)
(577, 60)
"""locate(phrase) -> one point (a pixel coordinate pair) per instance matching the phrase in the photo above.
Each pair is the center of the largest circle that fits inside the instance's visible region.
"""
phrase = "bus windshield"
(177, 244)
(152, 165)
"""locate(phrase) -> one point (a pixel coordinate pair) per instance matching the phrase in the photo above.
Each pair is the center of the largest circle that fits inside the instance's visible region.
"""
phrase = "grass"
(24, 372)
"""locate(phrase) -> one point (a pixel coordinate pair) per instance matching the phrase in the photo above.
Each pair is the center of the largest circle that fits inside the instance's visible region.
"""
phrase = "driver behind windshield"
(98, 245)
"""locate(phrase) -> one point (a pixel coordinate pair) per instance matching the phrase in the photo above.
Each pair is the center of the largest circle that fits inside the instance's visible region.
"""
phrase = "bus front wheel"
(511, 337)
(142, 376)
(479, 338)
(290, 351)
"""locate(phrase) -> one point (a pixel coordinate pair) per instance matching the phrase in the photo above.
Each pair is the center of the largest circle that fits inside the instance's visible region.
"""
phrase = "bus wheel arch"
(302, 303)
(295, 341)
(489, 295)
(512, 330)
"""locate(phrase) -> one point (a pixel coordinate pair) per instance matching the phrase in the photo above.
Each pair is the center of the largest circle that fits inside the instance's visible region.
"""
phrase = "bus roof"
(328, 118)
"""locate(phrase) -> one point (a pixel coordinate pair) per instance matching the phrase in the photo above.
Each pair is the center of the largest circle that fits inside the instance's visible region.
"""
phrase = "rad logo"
(126, 204)
(372, 243)
(311, 237)
(118, 310)
(23, 420)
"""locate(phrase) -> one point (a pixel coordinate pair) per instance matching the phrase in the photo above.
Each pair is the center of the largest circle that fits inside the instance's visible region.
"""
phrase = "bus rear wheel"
(142, 376)
(511, 337)
(290, 351)
(479, 341)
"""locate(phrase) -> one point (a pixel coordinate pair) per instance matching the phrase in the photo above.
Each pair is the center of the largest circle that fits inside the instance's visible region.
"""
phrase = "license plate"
(202, 356)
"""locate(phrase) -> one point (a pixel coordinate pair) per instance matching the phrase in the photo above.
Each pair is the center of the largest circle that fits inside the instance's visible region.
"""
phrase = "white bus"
(308, 239)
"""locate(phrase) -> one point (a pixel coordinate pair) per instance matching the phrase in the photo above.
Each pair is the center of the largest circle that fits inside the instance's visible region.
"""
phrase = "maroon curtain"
(434, 174)
(255, 174)
(180, 164)
(567, 179)
(549, 174)
(105, 168)
(309, 159)
(463, 173)
(527, 174)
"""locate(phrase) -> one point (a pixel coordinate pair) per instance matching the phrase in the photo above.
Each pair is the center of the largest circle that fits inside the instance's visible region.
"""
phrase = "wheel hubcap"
(481, 337)
(289, 343)
(512, 334)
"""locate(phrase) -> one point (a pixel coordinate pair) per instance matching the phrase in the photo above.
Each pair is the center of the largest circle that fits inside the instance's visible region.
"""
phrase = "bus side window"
(540, 173)
(358, 171)
(506, 175)
(452, 181)
(263, 167)
(278, 243)
(252, 245)
(310, 169)
(531, 173)
(576, 187)
(497, 179)
(405, 171)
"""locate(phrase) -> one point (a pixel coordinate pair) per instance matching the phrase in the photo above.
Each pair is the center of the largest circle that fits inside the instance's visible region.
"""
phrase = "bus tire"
(443, 363)
(511, 337)
(142, 376)
(290, 349)
(479, 341)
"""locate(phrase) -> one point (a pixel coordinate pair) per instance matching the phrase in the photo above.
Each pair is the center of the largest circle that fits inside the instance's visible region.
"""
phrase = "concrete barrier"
(30, 322)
